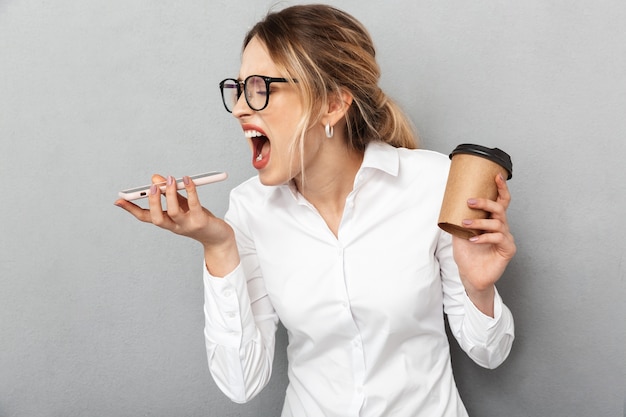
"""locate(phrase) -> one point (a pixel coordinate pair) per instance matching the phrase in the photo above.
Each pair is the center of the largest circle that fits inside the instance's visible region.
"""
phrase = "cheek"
(285, 139)
(314, 142)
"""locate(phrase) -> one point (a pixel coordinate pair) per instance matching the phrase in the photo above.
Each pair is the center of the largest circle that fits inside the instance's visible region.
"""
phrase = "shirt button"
(231, 315)
(228, 293)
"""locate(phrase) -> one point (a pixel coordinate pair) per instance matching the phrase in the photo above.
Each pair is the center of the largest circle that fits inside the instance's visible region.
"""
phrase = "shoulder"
(384, 157)
(251, 191)
(247, 201)
(250, 186)
(424, 156)
(423, 164)
(403, 166)
(252, 196)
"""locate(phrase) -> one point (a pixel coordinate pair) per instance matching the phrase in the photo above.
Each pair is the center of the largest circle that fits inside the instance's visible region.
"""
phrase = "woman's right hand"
(187, 217)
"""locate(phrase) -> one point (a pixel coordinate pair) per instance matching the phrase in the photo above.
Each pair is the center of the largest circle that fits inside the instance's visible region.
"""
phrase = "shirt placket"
(356, 341)
(354, 344)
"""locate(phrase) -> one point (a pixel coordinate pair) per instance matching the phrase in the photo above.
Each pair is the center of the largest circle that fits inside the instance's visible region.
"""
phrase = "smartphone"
(198, 179)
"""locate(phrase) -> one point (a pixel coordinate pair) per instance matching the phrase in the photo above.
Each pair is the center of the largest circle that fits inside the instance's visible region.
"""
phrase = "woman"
(337, 237)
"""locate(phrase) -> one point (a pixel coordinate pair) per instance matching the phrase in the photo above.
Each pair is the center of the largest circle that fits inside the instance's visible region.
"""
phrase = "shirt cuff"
(479, 327)
(227, 308)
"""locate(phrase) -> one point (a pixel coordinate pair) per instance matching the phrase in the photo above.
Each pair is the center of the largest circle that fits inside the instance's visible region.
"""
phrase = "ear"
(338, 106)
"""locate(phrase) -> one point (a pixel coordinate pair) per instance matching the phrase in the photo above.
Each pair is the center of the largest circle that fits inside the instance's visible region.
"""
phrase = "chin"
(268, 179)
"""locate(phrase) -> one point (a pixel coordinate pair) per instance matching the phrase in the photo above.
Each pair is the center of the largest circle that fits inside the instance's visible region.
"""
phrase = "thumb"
(156, 178)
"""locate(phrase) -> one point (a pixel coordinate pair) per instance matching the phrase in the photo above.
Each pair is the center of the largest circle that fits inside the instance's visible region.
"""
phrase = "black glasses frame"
(242, 88)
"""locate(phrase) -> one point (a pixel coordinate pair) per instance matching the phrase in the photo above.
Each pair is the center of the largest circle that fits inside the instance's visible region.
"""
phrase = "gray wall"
(102, 316)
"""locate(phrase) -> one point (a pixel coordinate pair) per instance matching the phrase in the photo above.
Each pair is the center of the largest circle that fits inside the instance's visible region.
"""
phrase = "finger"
(157, 215)
(158, 179)
(192, 195)
(500, 240)
(162, 181)
(174, 207)
(495, 209)
(504, 196)
(504, 243)
(182, 202)
(487, 225)
(139, 213)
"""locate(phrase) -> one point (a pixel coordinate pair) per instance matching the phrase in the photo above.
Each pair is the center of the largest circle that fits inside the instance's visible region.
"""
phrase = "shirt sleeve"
(240, 326)
(486, 340)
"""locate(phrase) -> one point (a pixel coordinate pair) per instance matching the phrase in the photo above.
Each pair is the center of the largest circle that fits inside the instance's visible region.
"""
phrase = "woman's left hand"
(483, 258)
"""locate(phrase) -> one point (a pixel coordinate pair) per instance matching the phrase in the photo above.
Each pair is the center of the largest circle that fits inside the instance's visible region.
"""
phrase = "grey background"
(102, 316)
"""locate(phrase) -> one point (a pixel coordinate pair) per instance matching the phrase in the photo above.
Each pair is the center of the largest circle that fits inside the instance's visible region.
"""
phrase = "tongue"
(262, 154)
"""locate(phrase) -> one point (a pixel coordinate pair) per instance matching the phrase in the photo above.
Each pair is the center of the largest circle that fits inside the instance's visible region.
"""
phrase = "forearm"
(239, 334)
(485, 339)
(479, 320)
(241, 373)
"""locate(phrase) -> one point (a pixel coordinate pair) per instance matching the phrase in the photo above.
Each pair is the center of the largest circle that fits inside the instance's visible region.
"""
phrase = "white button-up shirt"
(364, 311)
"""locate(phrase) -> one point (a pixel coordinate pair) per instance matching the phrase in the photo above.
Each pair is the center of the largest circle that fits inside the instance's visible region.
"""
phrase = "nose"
(241, 107)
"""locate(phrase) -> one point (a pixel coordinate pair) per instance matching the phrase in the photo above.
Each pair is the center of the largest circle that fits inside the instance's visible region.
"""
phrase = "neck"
(327, 182)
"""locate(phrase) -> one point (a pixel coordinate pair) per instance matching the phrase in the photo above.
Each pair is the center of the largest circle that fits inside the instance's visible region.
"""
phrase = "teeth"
(255, 134)
(252, 133)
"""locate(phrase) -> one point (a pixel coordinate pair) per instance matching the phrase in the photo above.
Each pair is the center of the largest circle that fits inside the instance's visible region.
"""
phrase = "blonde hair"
(328, 51)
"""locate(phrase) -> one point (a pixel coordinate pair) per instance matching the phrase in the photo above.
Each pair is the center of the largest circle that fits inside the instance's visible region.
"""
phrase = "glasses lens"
(256, 92)
(230, 94)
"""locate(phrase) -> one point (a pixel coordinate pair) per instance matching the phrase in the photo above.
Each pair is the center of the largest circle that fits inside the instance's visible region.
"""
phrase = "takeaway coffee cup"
(472, 175)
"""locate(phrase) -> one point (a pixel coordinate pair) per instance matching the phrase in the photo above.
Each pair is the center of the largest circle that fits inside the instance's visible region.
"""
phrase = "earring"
(330, 130)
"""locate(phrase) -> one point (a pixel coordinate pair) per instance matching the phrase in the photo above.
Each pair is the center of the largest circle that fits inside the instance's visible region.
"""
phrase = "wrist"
(483, 299)
(221, 259)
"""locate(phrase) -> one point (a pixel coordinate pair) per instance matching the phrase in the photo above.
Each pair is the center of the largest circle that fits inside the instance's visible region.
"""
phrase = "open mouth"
(260, 146)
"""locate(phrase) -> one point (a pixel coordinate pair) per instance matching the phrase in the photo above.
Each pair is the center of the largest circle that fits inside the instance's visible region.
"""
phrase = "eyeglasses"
(255, 87)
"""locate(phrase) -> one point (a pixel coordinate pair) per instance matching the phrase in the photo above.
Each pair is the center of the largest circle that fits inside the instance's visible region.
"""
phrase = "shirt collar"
(381, 156)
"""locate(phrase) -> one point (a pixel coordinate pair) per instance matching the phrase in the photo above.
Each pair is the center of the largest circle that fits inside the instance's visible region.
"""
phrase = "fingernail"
(473, 238)
(471, 201)
(186, 180)
(153, 189)
(170, 180)
(467, 222)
